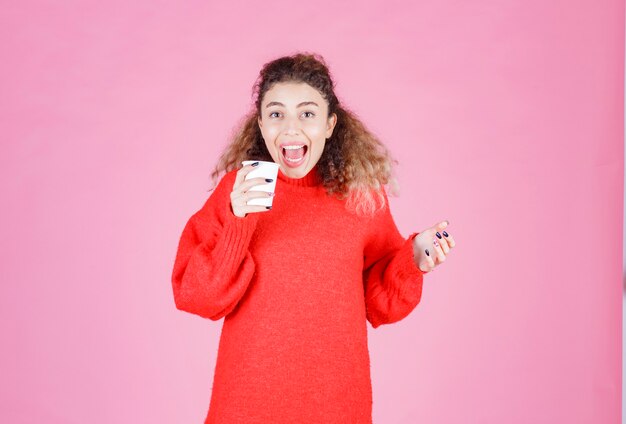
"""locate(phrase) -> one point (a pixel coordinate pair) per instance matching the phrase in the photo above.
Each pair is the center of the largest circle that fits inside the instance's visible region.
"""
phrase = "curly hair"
(355, 164)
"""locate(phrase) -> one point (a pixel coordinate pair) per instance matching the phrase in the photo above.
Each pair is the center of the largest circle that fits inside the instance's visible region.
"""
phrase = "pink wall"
(507, 118)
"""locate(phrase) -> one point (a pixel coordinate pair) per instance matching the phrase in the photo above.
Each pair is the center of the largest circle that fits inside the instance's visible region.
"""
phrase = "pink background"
(507, 119)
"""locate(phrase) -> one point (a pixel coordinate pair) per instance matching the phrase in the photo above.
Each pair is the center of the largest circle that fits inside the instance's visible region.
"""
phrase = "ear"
(330, 125)
(259, 122)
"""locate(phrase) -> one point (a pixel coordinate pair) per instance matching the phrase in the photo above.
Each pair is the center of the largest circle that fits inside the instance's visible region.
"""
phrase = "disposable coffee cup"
(264, 170)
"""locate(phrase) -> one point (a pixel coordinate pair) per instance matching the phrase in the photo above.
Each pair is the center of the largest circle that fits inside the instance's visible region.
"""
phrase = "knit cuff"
(411, 237)
(410, 276)
(234, 240)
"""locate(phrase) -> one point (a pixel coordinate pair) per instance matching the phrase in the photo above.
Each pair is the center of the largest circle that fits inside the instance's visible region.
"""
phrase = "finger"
(429, 259)
(448, 237)
(247, 184)
(255, 208)
(241, 174)
(254, 194)
(439, 255)
(243, 198)
(440, 226)
(444, 242)
(247, 209)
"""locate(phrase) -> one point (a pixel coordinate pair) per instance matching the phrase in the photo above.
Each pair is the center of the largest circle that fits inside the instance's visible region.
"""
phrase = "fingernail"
(268, 207)
(271, 194)
(436, 243)
(427, 254)
(445, 234)
(269, 180)
(255, 163)
(438, 235)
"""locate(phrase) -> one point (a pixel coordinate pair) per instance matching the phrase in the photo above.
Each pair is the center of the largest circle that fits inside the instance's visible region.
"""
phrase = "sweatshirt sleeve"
(392, 279)
(213, 266)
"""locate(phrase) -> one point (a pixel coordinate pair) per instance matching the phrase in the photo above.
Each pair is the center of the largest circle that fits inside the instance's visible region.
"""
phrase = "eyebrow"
(299, 105)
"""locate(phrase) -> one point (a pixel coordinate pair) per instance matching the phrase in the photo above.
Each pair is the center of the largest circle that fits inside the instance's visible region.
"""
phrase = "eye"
(310, 113)
(272, 114)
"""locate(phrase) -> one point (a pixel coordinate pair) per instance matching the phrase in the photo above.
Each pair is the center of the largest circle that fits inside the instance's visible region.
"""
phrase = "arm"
(392, 279)
(213, 265)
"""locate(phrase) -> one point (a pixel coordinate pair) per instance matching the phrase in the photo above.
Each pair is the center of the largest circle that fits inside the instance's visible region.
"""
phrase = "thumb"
(442, 225)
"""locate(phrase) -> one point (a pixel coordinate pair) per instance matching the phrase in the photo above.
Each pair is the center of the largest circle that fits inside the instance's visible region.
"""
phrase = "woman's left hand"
(431, 246)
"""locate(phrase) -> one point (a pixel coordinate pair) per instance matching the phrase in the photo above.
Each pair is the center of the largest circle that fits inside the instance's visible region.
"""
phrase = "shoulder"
(231, 175)
(376, 202)
(218, 199)
(225, 183)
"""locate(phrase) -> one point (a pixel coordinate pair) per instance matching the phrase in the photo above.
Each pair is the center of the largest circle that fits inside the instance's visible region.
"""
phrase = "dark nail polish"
(268, 207)
(427, 254)
(445, 234)
(438, 235)
(269, 180)
(255, 163)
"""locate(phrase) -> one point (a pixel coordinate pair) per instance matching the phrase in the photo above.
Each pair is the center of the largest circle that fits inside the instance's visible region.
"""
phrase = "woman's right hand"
(241, 193)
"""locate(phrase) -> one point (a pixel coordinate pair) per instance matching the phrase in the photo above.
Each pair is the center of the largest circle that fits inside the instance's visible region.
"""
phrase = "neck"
(309, 180)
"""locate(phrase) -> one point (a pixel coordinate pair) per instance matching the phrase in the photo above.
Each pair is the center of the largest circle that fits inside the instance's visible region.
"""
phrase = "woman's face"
(295, 115)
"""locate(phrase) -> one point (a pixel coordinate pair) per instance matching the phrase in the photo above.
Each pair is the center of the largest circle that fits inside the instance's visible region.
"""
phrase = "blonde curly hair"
(355, 165)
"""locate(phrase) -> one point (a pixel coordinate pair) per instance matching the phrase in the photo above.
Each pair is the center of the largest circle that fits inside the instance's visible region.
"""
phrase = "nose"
(292, 126)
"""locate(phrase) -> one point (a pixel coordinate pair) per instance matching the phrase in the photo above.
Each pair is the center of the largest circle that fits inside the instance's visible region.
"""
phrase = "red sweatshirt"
(296, 285)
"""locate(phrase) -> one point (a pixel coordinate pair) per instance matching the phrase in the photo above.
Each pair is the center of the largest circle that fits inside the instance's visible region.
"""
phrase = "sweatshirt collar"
(309, 180)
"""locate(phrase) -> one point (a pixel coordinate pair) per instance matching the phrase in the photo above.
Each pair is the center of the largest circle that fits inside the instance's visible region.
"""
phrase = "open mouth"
(294, 155)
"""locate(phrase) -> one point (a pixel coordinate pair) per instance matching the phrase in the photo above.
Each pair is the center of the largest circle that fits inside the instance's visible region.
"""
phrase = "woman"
(296, 283)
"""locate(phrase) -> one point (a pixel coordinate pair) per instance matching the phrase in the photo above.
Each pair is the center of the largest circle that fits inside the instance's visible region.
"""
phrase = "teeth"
(293, 147)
